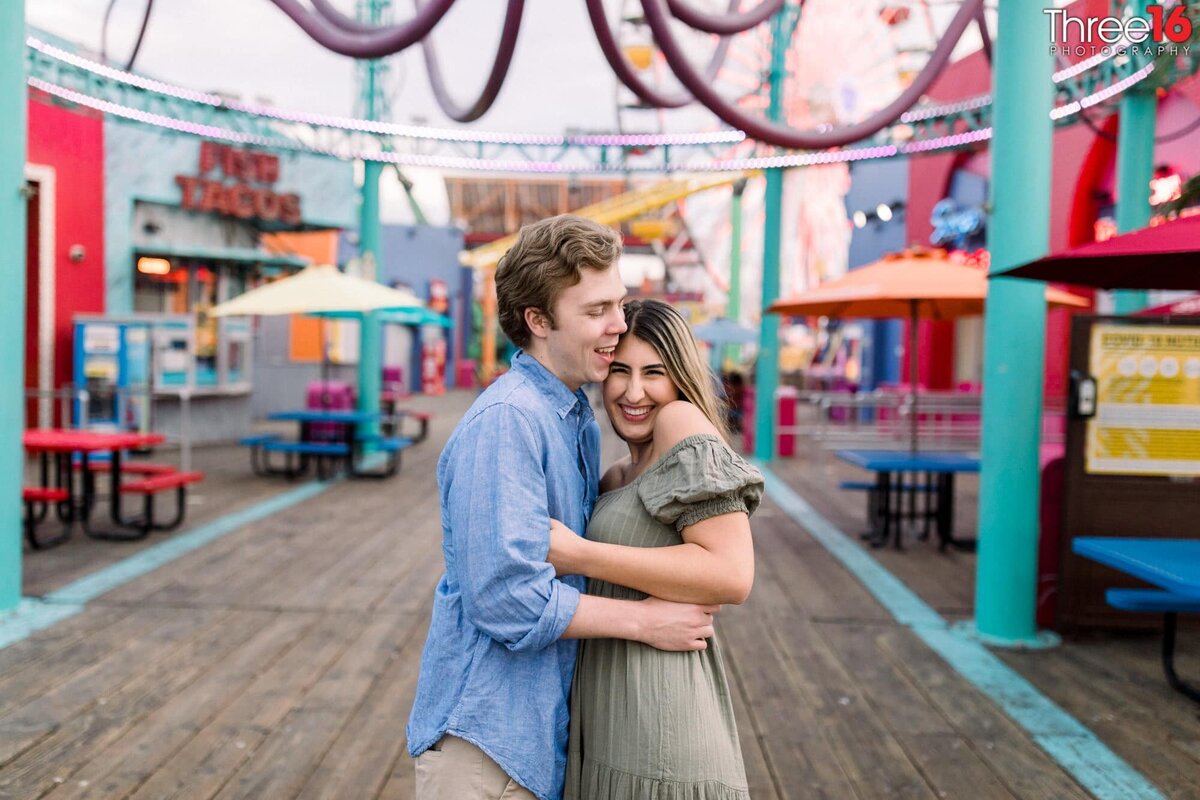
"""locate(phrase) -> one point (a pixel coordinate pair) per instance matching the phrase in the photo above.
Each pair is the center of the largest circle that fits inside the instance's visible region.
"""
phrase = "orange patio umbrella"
(917, 284)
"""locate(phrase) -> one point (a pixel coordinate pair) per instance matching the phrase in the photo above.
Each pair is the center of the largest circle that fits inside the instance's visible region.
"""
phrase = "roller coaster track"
(133, 98)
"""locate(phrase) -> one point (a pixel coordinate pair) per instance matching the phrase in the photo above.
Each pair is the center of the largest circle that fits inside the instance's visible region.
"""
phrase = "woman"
(673, 522)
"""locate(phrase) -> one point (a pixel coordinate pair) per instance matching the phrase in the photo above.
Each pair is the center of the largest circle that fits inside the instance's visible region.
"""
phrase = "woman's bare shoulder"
(677, 421)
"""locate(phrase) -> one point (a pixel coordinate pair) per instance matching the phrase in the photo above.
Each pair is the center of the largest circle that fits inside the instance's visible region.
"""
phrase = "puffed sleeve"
(697, 479)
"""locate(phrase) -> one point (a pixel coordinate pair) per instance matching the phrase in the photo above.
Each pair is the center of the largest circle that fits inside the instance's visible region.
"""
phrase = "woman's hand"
(567, 550)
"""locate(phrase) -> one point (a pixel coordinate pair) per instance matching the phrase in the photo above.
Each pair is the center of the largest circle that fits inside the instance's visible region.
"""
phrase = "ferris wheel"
(844, 61)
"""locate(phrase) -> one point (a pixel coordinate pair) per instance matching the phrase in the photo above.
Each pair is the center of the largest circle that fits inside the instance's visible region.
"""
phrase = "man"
(490, 715)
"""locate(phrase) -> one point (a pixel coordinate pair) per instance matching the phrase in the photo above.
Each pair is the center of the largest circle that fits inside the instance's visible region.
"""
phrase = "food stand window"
(192, 287)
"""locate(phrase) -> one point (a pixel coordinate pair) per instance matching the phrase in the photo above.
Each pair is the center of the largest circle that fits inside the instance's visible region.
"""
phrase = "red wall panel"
(72, 143)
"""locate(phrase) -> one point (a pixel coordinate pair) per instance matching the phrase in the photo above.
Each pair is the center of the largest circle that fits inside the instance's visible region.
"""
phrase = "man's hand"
(675, 626)
(567, 550)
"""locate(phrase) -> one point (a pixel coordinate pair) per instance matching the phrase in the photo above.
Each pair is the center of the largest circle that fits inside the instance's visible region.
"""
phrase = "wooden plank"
(285, 762)
(119, 769)
(371, 750)
(281, 764)
(26, 685)
(1026, 771)
(874, 761)
(1189, 746)
(31, 721)
(325, 588)
(965, 708)
(869, 754)
(1136, 733)
(47, 647)
(758, 775)
(1169, 768)
(800, 761)
(418, 583)
(944, 580)
(901, 707)
(204, 567)
(1021, 765)
(204, 765)
(63, 752)
(816, 583)
(951, 766)
(1128, 669)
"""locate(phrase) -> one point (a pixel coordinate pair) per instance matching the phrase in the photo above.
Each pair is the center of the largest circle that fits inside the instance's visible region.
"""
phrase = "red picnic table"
(75, 499)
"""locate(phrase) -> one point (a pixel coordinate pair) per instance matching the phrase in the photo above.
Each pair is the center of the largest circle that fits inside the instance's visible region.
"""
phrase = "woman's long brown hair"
(659, 325)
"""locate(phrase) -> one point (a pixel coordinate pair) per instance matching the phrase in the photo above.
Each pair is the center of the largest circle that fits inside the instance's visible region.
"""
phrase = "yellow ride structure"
(612, 211)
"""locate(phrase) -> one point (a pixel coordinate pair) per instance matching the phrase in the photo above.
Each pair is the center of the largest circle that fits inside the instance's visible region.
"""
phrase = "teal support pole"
(766, 374)
(370, 355)
(370, 367)
(12, 267)
(1135, 169)
(733, 307)
(1014, 330)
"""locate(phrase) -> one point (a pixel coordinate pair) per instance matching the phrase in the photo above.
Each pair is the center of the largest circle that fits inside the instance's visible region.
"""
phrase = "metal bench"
(37, 505)
(392, 446)
(297, 454)
(149, 487)
(874, 511)
(423, 418)
(1168, 604)
(132, 467)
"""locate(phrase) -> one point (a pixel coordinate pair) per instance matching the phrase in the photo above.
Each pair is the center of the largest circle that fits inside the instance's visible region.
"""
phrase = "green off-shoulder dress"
(648, 724)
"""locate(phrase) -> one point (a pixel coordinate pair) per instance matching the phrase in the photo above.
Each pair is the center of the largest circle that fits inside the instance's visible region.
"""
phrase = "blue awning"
(399, 316)
(244, 255)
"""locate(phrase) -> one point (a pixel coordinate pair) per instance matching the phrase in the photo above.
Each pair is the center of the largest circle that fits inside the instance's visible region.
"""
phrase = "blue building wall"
(871, 183)
(142, 163)
(412, 256)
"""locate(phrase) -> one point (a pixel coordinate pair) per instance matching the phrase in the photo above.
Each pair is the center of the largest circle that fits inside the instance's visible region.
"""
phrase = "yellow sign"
(1147, 400)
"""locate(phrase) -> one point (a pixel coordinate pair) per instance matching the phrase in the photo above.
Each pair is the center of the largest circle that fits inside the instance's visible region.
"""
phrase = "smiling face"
(588, 321)
(636, 388)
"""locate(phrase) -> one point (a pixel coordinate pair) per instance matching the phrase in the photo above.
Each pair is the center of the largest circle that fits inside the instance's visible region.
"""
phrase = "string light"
(387, 128)
(843, 155)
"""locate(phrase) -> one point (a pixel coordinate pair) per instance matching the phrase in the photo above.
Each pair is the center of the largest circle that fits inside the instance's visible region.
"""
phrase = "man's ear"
(539, 324)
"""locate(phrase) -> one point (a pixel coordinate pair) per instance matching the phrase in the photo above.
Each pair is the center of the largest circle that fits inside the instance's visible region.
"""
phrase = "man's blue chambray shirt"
(494, 671)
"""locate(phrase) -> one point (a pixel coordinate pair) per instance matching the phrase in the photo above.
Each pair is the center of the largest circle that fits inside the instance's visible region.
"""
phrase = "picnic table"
(1173, 565)
(925, 479)
(70, 487)
(326, 438)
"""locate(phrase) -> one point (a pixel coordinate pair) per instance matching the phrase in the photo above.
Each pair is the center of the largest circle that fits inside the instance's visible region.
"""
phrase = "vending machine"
(120, 361)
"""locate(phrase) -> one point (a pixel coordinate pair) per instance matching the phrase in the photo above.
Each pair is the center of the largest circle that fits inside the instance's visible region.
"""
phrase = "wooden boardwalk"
(279, 662)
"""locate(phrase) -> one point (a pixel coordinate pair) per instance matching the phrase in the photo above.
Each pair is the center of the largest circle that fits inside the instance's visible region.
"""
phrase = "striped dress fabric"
(648, 724)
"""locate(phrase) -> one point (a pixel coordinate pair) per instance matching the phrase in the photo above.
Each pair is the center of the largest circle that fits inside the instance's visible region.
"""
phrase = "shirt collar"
(561, 396)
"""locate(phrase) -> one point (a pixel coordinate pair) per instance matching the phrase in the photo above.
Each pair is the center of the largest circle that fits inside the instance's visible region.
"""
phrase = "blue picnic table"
(1172, 565)
(327, 437)
(926, 479)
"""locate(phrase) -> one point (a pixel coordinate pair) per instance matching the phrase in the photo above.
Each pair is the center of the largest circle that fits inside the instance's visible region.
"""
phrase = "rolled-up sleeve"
(499, 527)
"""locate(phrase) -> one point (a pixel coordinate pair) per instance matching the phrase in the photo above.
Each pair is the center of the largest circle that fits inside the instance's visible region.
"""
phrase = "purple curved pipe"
(984, 35)
(625, 73)
(504, 54)
(782, 135)
(339, 20)
(383, 42)
(724, 24)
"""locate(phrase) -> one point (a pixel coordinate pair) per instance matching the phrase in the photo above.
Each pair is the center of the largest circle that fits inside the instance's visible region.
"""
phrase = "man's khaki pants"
(455, 769)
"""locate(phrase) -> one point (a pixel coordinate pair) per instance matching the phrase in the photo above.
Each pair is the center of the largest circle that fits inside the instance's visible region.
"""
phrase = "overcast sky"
(248, 47)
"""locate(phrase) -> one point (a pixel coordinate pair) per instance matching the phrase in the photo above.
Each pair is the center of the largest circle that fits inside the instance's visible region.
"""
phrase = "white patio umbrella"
(317, 289)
